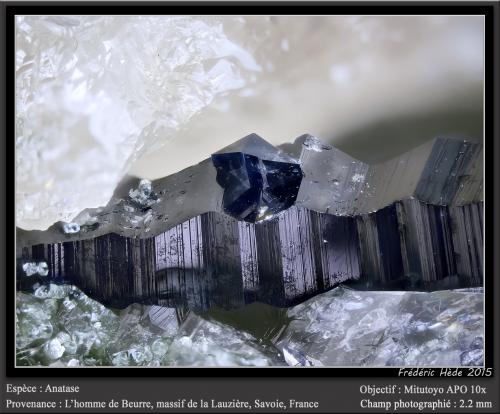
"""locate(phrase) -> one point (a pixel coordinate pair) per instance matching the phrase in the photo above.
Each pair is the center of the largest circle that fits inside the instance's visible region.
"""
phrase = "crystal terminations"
(255, 188)
(440, 172)
(211, 259)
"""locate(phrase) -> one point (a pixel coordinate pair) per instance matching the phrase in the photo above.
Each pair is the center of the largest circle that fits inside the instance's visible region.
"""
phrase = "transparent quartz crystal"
(345, 327)
(61, 326)
(206, 343)
(95, 92)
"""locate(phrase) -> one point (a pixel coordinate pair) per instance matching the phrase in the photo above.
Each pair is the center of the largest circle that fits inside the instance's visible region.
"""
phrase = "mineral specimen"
(61, 326)
(64, 327)
(344, 327)
(258, 180)
(255, 189)
(215, 260)
(143, 195)
(443, 171)
(91, 98)
(71, 228)
(333, 183)
(212, 254)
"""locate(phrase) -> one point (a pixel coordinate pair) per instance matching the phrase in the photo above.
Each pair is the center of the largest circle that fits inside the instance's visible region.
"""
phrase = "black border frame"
(257, 8)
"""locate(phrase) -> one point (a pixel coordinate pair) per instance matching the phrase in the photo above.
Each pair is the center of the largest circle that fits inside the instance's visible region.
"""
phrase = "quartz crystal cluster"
(345, 327)
(61, 326)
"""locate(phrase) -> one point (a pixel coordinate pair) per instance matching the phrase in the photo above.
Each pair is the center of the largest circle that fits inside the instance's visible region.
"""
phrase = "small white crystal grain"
(314, 144)
(70, 228)
(186, 341)
(145, 187)
(53, 349)
(358, 178)
(32, 268)
(73, 363)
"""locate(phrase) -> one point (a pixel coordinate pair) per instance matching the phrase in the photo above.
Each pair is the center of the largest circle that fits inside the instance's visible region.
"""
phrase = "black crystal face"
(255, 188)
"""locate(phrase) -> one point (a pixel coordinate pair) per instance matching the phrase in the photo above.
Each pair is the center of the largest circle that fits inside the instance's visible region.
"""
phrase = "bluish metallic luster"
(255, 188)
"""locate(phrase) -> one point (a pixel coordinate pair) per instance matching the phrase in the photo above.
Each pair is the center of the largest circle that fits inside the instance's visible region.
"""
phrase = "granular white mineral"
(342, 327)
(39, 268)
(53, 349)
(90, 334)
(30, 269)
(71, 228)
(73, 363)
(387, 328)
(358, 178)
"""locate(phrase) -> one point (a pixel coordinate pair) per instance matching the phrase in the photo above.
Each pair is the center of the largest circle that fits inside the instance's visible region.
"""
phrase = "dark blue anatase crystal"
(255, 189)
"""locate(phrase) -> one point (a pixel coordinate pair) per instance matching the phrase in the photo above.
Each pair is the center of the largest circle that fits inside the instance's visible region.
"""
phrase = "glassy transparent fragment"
(346, 327)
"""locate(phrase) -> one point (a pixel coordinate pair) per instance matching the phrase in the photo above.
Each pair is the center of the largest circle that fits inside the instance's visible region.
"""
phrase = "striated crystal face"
(210, 235)
(255, 189)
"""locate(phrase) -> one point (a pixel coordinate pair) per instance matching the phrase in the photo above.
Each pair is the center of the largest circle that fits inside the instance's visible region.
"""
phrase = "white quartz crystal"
(93, 92)
(142, 194)
(86, 333)
(32, 268)
(345, 327)
(53, 349)
(70, 228)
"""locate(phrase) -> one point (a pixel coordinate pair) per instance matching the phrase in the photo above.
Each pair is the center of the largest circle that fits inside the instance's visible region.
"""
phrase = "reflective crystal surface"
(253, 188)
(214, 260)
(205, 343)
(32, 268)
(442, 171)
(346, 327)
(252, 180)
(70, 228)
(61, 326)
(258, 180)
